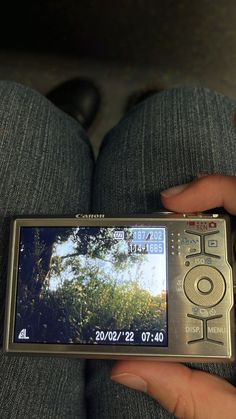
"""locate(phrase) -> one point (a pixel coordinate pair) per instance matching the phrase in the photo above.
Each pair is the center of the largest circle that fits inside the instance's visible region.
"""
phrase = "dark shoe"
(139, 97)
(80, 98)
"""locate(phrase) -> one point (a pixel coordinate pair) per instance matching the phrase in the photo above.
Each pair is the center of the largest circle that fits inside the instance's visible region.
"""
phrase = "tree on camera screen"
(92, 285)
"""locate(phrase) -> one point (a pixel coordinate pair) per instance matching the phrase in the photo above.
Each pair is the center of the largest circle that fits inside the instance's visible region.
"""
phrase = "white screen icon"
(22, 334)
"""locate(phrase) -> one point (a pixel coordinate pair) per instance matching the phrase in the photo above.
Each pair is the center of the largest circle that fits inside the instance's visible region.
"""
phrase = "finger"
(185, 393)
(204, 193)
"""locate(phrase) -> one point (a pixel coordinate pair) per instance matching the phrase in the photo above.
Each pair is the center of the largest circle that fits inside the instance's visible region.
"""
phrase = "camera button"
(191, 243)
(194, 330)
(204, 286)
(213, 245)
(216, 330)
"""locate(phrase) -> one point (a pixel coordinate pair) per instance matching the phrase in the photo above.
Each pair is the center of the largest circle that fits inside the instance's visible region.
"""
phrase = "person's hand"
(187, 393)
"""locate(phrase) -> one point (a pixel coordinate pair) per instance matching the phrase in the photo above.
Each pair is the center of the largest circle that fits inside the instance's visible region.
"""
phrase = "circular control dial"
(204, 286)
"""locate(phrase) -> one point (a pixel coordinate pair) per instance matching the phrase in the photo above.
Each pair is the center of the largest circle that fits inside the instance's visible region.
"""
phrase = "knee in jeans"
(17, 100)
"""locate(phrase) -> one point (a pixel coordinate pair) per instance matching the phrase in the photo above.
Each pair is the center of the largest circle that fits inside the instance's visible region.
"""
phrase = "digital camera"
(134, 287)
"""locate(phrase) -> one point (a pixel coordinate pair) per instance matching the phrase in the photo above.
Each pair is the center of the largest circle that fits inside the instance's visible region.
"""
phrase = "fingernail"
(174, 191)
(133, 381)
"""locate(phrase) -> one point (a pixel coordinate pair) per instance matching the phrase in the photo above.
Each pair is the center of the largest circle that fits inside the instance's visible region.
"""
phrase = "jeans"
(47, 168)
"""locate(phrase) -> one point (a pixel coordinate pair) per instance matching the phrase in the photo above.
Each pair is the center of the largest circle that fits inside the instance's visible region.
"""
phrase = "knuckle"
(181, 410)
(184, 408)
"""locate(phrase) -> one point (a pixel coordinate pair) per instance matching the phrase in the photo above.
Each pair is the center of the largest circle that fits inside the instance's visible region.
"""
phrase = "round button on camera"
(204, 286)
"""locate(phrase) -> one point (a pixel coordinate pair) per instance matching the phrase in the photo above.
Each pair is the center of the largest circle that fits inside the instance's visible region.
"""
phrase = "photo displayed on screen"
(92, 285)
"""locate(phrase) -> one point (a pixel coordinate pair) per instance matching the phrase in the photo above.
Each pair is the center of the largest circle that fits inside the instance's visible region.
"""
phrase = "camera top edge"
(156, 214)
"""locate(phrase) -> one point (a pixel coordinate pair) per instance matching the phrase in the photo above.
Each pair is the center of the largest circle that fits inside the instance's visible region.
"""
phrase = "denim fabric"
(164, 141)
(46, 167)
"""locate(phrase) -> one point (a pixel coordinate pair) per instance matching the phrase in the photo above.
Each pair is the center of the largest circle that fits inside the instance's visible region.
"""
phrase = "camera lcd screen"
(92, 285)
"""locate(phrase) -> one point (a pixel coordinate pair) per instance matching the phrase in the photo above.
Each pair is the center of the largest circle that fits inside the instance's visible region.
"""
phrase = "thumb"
(185, 393)
(203, 193)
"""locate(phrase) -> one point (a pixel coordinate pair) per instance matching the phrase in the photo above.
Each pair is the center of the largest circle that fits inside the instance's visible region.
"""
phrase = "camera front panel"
(121, 287)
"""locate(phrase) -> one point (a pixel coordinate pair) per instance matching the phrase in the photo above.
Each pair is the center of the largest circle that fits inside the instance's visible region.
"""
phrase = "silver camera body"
(138, 287)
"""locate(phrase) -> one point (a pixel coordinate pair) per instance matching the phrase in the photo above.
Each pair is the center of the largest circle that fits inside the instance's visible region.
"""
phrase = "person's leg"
(46, 168)
(165, 141)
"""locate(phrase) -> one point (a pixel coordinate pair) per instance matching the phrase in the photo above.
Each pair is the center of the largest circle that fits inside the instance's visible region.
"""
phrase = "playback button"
(213, 244)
